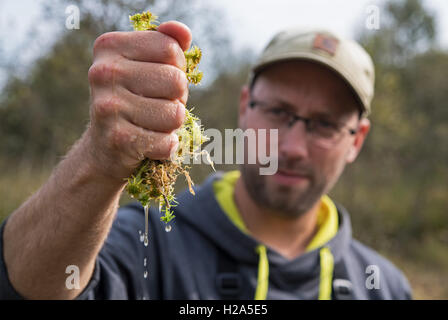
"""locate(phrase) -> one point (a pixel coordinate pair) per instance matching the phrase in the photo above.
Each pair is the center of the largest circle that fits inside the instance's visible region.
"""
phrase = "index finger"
(164, 46)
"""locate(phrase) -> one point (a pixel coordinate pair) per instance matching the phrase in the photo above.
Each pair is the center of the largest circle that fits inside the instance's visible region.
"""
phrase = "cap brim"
(318, 59)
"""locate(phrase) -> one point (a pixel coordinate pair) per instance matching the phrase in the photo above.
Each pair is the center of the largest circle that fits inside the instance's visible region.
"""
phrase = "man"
(244, 236)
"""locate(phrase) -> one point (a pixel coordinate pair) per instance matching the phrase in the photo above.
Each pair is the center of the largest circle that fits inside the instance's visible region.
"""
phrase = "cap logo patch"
(325, 43)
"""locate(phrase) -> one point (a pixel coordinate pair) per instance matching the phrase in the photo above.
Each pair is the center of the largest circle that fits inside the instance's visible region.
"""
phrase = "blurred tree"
(396, 190)
(44, 112)
(406, 29)
(403, 167)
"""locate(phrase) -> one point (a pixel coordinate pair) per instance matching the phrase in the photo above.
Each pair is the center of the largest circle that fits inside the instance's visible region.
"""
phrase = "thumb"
(178, 31)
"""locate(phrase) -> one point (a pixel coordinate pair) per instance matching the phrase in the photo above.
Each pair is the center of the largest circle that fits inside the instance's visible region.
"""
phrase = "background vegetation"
(396, 191)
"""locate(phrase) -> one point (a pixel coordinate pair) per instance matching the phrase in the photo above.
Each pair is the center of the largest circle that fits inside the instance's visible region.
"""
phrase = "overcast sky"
(253, 21)
(258, 20)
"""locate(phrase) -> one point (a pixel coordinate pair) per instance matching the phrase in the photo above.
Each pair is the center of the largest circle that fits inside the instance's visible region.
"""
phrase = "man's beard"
(286, 201)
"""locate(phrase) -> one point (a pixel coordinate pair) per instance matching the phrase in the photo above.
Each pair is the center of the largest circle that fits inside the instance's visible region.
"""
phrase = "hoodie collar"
(204, 213)
(327, 216)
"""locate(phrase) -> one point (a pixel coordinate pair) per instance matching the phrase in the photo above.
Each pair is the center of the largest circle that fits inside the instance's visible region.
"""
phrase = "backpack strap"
(342, 286)
(229, 281)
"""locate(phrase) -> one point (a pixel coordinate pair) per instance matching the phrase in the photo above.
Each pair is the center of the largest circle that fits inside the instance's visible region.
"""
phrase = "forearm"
(138, 92)
(64, 223)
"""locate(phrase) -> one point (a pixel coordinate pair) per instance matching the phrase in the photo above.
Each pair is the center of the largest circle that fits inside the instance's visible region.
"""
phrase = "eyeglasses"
(321, 133)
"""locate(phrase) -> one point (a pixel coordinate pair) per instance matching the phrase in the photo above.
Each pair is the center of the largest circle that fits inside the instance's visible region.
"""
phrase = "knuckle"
(119, 138)
(105, 41)
(103, 72)
(105, 107)
(93, 73)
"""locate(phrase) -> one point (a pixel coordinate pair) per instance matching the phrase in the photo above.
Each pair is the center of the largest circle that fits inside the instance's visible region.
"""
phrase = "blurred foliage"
(44, 112)
(396, 191)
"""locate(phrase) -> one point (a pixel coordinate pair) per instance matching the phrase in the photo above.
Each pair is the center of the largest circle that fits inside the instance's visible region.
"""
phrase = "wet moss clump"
(154, 180)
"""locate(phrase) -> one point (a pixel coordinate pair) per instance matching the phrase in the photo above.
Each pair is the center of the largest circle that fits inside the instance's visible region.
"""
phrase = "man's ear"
(360, 136)
(244, 101)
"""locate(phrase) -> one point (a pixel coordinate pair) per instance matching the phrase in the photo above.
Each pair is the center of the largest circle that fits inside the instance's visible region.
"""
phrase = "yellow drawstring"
(326, 273)
(263, 273)
(327, 229)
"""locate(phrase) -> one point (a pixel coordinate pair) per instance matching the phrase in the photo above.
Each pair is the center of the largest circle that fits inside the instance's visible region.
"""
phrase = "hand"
(138, 91)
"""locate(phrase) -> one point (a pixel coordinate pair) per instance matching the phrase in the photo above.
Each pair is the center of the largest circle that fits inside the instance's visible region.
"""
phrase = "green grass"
(18, 183)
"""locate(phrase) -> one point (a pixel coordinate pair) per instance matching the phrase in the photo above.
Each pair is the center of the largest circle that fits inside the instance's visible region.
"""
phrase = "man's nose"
(293, 141)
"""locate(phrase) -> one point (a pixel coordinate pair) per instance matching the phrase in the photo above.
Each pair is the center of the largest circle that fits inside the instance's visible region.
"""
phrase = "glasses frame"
(293, 118)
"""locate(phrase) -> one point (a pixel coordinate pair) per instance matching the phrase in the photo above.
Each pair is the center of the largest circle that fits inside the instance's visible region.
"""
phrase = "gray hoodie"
(205, 256)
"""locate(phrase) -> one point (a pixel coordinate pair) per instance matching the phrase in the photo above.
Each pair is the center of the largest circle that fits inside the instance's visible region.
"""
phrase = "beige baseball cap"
(346, 57)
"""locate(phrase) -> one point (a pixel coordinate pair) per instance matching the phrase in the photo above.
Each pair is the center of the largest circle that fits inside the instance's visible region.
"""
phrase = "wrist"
(98, 166)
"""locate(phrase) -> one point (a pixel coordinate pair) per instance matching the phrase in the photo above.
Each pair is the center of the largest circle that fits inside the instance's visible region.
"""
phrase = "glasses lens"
(321, 133)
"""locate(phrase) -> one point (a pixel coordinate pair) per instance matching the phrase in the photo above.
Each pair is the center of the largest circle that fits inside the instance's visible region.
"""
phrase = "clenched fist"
(138, 91)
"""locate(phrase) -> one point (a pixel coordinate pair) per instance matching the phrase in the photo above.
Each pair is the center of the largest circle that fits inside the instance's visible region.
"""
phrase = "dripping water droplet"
(168, 228)
(144, 262)
(145, 238)
(145, 274)
(142, 237)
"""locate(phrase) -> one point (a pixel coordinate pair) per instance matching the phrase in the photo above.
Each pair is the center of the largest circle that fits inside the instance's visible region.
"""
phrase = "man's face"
(306, 171)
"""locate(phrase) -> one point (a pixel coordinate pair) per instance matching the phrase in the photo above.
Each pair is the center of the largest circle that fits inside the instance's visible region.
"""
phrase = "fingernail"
(174, 145)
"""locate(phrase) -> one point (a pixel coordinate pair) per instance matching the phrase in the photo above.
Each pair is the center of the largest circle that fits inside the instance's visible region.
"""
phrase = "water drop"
(145, 274)
(168, 228)
(145, 240)
(144, 262)
(142, 237)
